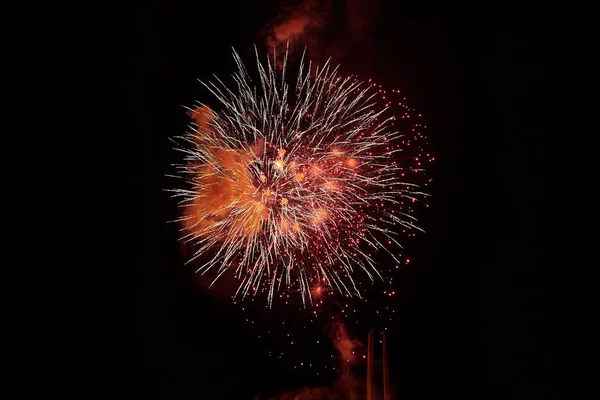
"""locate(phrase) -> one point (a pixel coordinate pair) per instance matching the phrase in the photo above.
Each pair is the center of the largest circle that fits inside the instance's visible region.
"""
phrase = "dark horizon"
(470, 311)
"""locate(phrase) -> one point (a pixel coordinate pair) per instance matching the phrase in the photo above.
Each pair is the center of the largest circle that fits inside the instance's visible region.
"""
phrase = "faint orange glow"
(268, 195)
(317, 291)
(281, 152)
(284, 201)
(299, 176)
(288, 29)
(330, 185)
(352, 162)
(320, 214)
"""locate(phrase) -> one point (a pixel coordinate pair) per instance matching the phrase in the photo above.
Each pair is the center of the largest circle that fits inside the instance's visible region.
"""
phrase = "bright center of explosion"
(290, 186)
(265, 189)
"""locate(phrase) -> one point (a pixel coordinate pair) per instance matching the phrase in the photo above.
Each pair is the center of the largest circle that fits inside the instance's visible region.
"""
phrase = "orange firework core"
(222, 193)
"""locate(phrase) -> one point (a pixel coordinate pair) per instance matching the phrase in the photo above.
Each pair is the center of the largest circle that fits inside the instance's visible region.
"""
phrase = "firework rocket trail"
(291, 185)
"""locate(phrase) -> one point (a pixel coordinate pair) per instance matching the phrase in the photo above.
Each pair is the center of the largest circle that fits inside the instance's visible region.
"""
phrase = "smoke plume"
(347, 385)
(340, 30)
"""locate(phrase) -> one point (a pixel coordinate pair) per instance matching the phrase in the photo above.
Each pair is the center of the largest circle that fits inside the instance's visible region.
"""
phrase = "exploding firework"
(292, 185)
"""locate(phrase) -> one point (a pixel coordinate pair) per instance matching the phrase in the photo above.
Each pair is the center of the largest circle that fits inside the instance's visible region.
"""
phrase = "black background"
(473, 314)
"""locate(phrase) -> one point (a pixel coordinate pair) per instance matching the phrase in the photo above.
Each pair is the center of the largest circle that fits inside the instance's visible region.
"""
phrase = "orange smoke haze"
(347, 386)
(289, 29)
(344, 344)
(294, 23)
(310, 24)
(221, 192)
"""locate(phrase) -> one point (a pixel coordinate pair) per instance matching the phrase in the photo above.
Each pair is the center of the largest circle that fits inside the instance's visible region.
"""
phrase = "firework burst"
(292, 185)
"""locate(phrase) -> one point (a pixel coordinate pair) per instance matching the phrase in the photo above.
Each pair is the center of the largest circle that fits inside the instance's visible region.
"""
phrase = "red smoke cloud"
(347, 386)
(346, 346)
(340, 30)
(301, 26)
(296, 23)
(293, 25)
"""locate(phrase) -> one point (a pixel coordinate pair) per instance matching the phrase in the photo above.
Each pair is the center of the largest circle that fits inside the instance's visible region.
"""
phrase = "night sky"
(470, 313)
